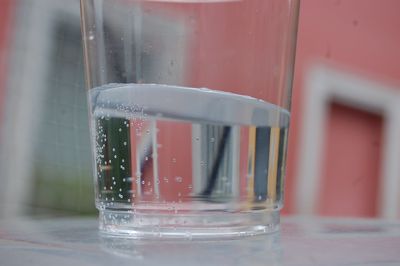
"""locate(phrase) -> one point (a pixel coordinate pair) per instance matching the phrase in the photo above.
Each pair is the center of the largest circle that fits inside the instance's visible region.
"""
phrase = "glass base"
(206, 226)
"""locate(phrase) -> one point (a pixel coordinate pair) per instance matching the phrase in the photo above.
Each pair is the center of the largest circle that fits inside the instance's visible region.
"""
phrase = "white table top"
(75, 241)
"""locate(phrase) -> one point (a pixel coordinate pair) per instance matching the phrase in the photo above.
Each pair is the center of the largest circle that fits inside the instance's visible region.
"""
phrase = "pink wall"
(363, 35)
(351, 164)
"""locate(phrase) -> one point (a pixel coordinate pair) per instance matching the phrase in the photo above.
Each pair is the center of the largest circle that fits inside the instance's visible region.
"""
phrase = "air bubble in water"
(188, 235)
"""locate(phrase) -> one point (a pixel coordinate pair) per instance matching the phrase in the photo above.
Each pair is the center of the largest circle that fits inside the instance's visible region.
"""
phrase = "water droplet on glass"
(125, 143)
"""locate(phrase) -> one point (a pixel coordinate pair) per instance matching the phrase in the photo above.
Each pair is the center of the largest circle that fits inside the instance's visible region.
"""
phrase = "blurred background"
(344, 146)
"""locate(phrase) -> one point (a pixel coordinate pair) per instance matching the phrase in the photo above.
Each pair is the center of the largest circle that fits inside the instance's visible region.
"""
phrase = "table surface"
(302, 241)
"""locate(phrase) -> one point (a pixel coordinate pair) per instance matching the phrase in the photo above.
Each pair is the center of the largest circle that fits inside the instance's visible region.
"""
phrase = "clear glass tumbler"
(189, 114)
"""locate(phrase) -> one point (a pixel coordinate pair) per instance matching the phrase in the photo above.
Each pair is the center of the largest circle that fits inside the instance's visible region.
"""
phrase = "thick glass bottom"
(204, 226)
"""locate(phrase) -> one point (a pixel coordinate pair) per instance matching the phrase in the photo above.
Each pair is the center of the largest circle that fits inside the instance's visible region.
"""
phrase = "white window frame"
(324, 85)
(26, 86)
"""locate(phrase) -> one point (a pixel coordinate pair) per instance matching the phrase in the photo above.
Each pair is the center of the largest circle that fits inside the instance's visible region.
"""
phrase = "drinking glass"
(189, 105)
